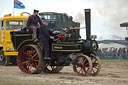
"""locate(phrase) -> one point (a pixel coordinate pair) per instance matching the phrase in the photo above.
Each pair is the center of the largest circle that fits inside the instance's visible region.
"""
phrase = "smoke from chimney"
(115, 13)
(80, 17)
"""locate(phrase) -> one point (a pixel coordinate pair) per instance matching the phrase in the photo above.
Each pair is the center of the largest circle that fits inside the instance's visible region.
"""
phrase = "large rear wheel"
(30, 59)
(82, 65)
(4, 60)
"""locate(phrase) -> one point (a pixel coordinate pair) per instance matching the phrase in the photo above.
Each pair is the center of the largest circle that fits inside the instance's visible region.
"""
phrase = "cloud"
(114, 12)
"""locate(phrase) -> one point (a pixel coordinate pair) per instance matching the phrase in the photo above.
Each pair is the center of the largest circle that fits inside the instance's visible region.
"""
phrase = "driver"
(44, 37)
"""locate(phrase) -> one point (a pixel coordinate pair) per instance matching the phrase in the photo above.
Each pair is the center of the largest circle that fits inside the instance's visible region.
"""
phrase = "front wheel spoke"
(95, 61)
(93, 71)
(95, 67)
(95, 64)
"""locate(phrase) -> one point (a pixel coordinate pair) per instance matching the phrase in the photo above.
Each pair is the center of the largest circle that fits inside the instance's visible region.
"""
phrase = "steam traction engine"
(64, 50)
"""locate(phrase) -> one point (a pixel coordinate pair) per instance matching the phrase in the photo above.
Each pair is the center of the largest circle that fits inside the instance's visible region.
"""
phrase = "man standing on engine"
(44, 37)
(32, 24)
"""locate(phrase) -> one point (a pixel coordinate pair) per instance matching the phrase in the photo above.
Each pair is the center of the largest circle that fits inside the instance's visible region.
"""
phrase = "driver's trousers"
(45, 43)
(34, 29)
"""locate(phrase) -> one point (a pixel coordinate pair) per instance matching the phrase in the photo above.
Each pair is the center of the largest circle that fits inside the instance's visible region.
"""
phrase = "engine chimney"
(88, 23)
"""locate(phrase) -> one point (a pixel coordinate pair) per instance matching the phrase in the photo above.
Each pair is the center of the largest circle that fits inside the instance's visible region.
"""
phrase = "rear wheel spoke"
(34, 55)
(26, 53)
(34, 65)
(36, 60)
(27, 58)
(30, 67)
(31, 51)
(25, 62)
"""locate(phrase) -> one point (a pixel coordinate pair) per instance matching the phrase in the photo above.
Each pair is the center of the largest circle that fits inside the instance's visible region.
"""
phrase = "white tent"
(115, 45)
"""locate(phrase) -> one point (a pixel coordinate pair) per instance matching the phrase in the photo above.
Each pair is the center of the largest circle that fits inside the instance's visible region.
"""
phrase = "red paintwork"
(28, 59)
(83, 68)
(61, 37)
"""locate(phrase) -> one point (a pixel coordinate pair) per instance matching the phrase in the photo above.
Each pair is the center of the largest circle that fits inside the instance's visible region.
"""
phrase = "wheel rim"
(2, 57)
(84, 65)
(96, 65)
(28, 60)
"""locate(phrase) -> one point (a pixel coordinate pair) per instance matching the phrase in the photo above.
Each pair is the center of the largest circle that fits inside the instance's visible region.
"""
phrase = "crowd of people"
(113, 53)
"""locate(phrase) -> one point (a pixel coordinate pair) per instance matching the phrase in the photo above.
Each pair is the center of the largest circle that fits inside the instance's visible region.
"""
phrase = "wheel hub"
(2, 58)
(31, 60)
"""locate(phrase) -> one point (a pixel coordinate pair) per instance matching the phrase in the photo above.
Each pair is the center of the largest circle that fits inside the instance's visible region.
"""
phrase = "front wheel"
(82, 65)
(96, 65)
(30, 59)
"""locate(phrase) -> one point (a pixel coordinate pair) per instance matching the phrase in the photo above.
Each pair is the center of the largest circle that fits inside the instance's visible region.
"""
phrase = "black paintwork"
(19, 37)
(88, 23)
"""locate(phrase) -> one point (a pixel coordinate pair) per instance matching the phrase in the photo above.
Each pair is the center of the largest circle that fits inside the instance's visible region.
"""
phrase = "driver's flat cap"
(36, 10)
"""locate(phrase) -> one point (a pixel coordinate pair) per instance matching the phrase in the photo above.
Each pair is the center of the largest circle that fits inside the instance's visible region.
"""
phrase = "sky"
(106, 14)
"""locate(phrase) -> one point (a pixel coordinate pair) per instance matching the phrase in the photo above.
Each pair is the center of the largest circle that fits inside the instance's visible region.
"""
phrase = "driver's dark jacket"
(44, 33)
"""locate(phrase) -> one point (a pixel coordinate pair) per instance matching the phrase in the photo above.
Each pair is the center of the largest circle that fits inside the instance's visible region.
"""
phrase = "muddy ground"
(113, 72)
